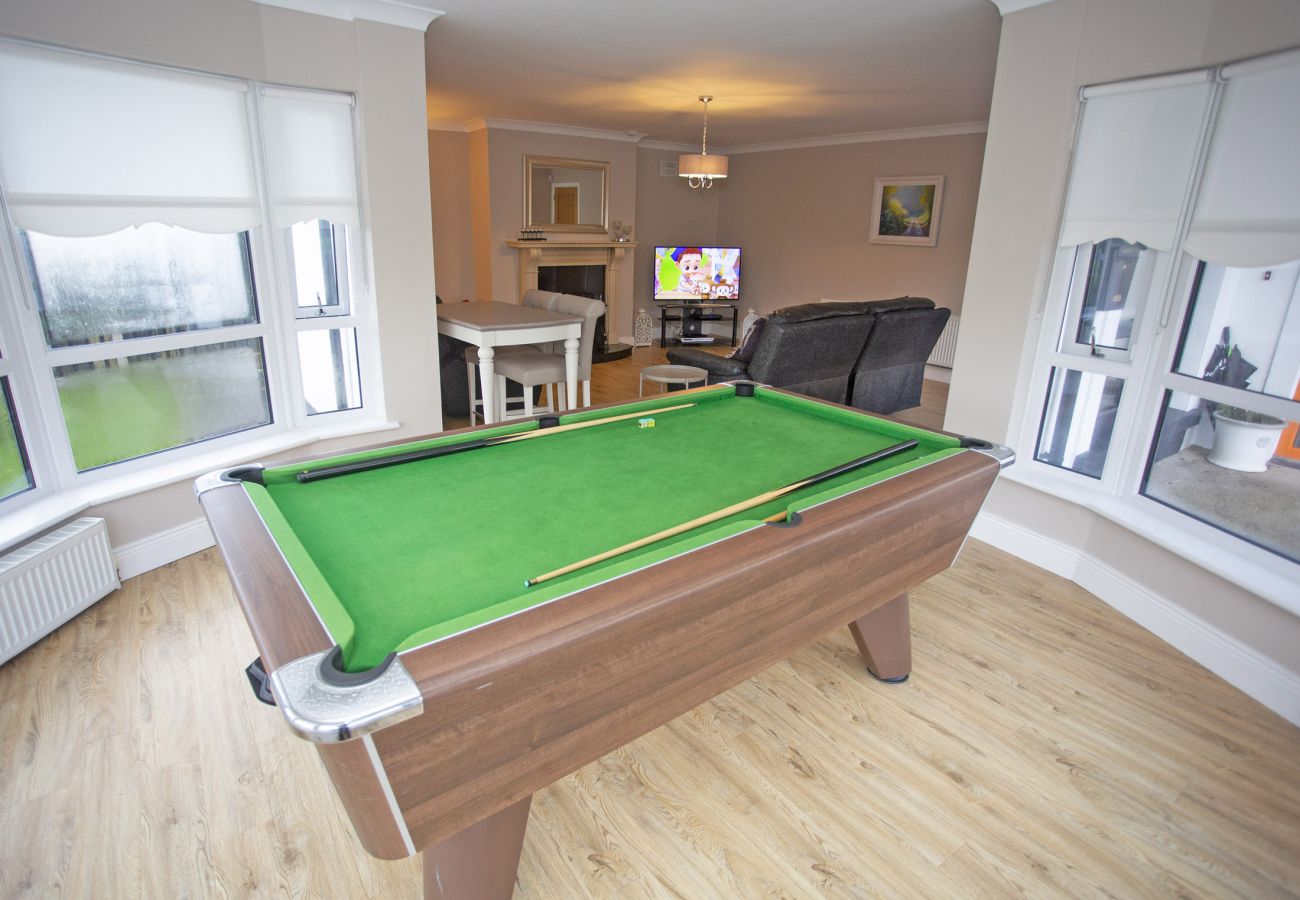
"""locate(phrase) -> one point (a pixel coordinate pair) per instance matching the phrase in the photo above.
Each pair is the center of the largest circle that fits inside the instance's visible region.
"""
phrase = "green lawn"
(12, 476)
(149, 404)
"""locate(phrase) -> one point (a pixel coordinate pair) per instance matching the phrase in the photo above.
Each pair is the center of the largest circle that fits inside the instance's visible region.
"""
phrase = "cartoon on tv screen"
(697, 273)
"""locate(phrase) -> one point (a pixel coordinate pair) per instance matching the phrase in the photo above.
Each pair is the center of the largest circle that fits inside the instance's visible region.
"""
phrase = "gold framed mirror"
(566, 194)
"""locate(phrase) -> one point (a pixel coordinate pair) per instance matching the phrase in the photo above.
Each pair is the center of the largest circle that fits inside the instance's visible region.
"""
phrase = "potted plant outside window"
(1243, 439)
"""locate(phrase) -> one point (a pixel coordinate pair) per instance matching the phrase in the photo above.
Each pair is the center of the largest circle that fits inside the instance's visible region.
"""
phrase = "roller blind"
(310, 158)
(1133, 160)
(1248, 209)
(91, 146)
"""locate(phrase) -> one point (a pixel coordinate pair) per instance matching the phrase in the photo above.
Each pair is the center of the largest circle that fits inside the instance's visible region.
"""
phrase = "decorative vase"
(1243, 446)
(643, 329)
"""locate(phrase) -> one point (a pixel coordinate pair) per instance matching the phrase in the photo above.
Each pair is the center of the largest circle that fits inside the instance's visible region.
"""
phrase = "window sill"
(1262, 573)
(43, 513)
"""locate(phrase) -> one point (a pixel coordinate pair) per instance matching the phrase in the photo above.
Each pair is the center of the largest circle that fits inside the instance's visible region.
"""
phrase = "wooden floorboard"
(1045, 746)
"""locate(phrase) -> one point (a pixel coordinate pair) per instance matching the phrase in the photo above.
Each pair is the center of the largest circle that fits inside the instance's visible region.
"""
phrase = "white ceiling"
(778, 71)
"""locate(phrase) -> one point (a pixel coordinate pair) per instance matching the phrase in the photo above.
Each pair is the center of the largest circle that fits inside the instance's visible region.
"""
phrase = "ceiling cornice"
(669, 145)
(596, 134)
(416, 14)
(863, 137)
(1007, 7)
(458, 127)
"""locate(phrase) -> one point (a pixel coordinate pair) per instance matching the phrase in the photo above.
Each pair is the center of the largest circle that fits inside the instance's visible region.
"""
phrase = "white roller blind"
(90, 146)
(1133, 160)
(309, 148)
(1248, 209)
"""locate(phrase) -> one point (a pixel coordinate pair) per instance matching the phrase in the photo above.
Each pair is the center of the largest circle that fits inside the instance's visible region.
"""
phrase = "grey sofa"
(868, 354)
(809, 349)
(891, 368)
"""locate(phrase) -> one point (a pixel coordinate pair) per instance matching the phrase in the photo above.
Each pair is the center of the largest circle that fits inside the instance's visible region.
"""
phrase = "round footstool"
(667, 375)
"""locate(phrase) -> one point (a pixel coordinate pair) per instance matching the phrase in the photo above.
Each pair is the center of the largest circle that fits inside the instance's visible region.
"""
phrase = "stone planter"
(1243, 446)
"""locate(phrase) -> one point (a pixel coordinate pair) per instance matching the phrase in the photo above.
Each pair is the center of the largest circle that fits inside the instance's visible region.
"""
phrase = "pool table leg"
(884, 638)
(480, 862)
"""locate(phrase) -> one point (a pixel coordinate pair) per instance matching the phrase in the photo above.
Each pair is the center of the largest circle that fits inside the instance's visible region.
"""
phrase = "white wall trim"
(416, 14)
(598, 134)
(601, 134)
(938, 373)
(862, 137)
(1007, 7)
(457, 127)
(1242, 666)
(162, 548)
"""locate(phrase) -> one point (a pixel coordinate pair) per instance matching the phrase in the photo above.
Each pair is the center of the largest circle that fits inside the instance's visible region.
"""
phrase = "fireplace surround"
(610, 254)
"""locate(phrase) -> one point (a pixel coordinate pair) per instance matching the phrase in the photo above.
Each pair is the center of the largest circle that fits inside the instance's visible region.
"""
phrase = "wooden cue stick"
(364, 465)
(759, 500)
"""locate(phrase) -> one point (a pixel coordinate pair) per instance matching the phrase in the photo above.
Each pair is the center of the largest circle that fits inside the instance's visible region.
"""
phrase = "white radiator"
(945, 351)
(50, 580)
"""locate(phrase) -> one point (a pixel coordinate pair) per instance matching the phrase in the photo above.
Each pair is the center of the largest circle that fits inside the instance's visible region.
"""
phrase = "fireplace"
(585, 268)
(584, 281)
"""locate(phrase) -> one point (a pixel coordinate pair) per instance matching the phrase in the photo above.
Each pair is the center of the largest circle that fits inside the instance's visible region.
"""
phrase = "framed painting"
(906, 210)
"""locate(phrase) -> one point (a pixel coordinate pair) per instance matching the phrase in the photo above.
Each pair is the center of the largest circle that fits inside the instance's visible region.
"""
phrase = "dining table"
(491, 324)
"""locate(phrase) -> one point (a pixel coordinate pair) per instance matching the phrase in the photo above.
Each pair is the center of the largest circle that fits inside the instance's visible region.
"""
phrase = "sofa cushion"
(812, 312)
(720, 368)
(878, 307)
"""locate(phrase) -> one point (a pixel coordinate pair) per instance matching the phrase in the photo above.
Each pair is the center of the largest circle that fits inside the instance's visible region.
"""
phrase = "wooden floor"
(1045, 746)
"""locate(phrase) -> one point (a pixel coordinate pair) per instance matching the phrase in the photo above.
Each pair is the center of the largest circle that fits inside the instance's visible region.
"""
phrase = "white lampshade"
(701, 165)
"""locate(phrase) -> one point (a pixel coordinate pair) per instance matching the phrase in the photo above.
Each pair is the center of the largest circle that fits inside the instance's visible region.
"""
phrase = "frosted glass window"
(123, 408)
(140, 282)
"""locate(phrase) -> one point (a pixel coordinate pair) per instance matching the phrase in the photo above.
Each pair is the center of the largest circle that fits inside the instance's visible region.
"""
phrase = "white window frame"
(30, 363)
(1148, 372)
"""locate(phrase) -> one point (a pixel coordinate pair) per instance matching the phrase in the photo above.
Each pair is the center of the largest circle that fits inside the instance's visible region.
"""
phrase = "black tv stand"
(696, 313)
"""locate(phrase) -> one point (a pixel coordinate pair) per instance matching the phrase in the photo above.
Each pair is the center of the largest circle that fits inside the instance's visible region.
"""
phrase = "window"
(1105, 303)
(184, 245)
(15, 470)
(327, 353)
(1172, 383)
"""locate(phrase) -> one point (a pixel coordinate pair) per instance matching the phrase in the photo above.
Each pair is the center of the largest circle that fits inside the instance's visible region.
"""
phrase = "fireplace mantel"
(609, 254)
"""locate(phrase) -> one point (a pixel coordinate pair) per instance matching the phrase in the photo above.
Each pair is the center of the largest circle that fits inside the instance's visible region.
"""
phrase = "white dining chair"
(537, 366)
(533, 298)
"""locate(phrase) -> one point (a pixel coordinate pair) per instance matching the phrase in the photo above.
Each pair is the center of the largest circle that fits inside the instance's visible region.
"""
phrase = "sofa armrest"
(718, 367)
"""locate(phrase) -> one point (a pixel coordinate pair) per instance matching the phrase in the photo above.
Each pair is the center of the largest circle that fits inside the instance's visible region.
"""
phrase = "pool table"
(386, 591)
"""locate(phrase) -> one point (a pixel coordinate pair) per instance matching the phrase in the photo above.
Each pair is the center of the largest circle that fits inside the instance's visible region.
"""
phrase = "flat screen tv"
(702, 274)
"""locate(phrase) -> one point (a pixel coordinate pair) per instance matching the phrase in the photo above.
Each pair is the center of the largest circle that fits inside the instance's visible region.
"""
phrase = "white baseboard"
(159, 549)
(938, 373)
(1240, 665)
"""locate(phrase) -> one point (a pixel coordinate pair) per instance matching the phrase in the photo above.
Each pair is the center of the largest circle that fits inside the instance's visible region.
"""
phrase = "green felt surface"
(396, 557)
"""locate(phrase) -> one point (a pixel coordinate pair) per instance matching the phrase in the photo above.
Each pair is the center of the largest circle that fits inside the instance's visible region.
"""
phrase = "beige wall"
(802, 217)
(449, 199)
(668, 214)
(384, 66)
(503, 199)
(1046, 54)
